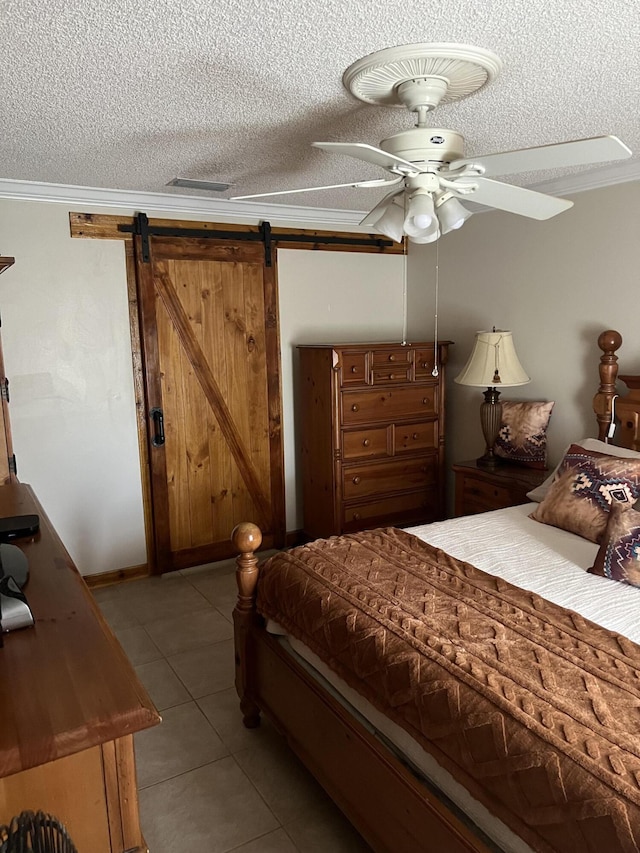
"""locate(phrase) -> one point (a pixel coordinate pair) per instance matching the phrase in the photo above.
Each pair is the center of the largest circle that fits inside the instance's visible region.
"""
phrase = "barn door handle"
(158, 424)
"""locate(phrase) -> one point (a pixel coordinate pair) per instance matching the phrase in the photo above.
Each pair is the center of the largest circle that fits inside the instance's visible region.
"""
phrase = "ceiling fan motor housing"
(425, 145)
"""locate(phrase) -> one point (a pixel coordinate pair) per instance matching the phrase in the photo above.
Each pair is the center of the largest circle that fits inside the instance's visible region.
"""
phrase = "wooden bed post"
(246, 538)
(628, 410)
(609, 342)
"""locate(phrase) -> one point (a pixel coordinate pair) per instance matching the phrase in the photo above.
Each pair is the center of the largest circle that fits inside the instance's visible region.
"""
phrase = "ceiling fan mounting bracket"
(421, 75)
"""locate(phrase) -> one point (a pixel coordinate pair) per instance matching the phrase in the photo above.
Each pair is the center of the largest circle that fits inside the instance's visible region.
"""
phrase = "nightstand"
(480, 489)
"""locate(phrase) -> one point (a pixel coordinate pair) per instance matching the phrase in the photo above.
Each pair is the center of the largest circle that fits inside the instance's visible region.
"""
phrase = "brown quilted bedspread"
(533, 708)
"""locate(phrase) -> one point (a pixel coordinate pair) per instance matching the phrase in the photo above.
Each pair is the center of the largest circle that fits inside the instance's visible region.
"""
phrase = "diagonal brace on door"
(211, 389)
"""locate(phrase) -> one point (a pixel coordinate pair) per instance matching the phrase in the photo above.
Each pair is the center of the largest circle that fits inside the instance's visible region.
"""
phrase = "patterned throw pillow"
(540, 491)
(619, 554)
(523, 433)
(585, 487)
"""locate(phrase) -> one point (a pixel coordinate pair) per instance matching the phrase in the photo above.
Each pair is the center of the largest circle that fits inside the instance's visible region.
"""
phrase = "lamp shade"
(493, 362)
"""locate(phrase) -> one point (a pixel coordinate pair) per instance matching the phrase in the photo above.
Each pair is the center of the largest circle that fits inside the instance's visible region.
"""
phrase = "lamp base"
(490, 421)
(490, 460)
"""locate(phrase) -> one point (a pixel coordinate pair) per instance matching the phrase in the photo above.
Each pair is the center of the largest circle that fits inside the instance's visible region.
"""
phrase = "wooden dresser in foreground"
(69, 703)
(372, 435)
(480, 489)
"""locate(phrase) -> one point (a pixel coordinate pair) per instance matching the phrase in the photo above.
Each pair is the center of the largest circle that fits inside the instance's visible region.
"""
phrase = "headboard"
(609, 405)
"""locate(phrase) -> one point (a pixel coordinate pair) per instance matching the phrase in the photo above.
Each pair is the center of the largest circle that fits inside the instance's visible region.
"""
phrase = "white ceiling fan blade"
(377, 182)
(516, 199)
(580, 152)
(370, 154)
(375, 213)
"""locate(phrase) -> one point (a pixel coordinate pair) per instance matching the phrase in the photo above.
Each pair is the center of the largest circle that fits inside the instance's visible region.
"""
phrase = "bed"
(506, 713)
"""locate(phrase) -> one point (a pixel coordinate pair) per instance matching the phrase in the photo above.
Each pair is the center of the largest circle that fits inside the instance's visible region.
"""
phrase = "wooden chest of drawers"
(372, 435)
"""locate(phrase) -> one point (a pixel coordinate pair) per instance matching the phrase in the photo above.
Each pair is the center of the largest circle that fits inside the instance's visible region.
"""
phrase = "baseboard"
(131, 573)
(292, 538)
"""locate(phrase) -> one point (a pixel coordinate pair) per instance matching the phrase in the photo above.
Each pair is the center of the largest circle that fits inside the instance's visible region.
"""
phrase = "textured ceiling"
(128, 94)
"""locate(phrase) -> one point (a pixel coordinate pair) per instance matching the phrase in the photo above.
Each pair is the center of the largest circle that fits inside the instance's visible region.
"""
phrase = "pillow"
(585, 486)
(522, 437)
(540, 491)
(619, 554)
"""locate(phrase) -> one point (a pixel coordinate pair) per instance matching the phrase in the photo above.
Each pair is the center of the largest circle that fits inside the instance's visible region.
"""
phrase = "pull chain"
(404, 300)
(435, 370)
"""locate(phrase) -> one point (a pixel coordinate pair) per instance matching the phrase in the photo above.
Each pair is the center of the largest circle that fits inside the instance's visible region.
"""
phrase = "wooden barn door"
(208, 317)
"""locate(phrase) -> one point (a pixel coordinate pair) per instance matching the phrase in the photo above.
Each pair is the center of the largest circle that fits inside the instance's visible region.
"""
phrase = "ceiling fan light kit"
(428, 164)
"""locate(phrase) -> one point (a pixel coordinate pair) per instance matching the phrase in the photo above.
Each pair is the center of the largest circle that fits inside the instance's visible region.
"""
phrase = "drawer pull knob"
(354, 369)
(392, 357)
(425, 364)
(356, 481)
(424, 401)
(391, 376)
(356, 516)
(366, 442)
(355, 407)
(415, 436)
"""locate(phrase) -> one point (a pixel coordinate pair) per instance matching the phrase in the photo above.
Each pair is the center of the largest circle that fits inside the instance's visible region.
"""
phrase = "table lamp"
(493, 363)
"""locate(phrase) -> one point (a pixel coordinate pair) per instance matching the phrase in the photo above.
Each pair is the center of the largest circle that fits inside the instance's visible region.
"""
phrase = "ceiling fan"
(430, 171)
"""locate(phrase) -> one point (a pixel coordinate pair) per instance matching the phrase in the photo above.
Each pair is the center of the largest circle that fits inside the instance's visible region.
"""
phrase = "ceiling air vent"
(213, 186)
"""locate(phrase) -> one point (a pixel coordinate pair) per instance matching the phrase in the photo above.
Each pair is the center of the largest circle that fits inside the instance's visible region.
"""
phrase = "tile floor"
(207, 783)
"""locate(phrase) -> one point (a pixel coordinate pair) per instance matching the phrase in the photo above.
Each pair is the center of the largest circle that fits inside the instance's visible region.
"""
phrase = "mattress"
(542, 559)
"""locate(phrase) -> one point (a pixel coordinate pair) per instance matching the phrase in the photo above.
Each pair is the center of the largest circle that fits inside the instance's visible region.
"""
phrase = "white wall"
(328, 298)
(67, 353)
(68, 358)
(556, 285)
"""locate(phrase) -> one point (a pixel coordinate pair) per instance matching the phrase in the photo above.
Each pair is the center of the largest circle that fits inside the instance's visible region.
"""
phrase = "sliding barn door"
(208, 314)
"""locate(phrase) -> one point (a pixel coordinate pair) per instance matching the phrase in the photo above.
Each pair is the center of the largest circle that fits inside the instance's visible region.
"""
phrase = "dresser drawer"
(396, 475)
(391, 366)
(424, 361)
(381, 374)
(414, 506)
(414, 437)
(355, 368)
(487, 496)
(401, 356)
(367, 443)
(389, 405)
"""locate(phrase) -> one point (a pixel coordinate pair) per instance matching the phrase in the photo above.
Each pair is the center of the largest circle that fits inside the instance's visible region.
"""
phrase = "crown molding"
(222, 210)
(593, 179)
(250, 212)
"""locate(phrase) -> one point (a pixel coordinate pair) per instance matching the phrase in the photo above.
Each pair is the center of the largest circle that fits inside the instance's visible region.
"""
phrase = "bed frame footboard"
(388, 805)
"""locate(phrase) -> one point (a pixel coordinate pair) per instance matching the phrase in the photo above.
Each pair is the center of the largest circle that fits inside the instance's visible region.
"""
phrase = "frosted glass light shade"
(391, 223)
(493, 362)
(452, 214)
(421, 217)
(430, 236)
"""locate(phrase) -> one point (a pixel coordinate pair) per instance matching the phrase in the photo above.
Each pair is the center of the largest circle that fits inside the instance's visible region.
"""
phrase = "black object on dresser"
(372, 435)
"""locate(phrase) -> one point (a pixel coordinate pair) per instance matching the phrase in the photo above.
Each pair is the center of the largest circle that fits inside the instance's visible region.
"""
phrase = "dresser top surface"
(65, 683)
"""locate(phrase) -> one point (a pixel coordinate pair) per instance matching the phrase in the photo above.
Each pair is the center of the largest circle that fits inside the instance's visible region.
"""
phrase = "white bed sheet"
(528, 554)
